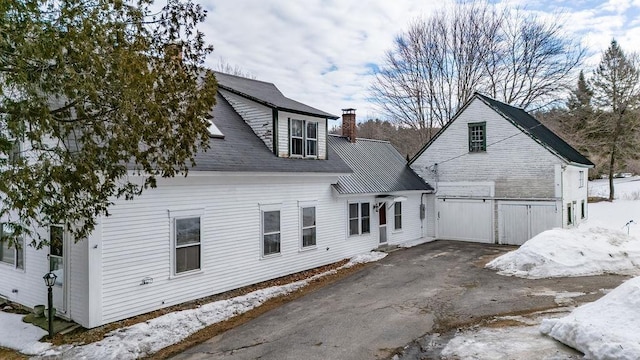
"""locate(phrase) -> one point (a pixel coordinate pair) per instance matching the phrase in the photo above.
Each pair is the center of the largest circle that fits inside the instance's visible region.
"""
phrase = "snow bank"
(16, 334)
(572, 252)
(144, 339)
(624, 189)
(608, 328)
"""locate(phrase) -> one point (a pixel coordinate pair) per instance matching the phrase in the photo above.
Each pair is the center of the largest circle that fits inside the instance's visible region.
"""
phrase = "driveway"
(431, 287)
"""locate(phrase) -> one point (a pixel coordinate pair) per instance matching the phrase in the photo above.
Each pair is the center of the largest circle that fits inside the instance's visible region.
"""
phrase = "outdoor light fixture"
(50, 280)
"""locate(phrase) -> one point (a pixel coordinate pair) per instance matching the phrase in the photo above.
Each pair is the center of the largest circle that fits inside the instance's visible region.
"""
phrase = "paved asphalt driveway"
(389, 304)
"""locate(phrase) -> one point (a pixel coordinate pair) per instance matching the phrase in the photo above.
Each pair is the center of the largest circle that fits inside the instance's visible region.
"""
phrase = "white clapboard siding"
(258, 116)
(283, 133)
(136, 239)
(515, 163)
(411, 229)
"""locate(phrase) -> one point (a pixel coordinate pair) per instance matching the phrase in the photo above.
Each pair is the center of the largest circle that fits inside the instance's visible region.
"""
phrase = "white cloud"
(318, 51)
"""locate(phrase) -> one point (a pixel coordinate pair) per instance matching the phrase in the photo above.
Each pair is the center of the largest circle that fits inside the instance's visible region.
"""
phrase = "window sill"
(186, 274)
(359, 235)
(8, 266)
(270, 256)
(307, 248)
(399, 231)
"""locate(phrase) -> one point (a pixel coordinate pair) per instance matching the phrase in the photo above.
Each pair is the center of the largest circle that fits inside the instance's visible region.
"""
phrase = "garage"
(465, 219)
(519, 222)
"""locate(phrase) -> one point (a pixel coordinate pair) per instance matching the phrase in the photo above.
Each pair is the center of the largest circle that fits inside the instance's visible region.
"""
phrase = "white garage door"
(522, 221)
(463, 219)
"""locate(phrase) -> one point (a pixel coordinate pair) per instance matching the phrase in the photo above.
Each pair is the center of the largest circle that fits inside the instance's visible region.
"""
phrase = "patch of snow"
(562, 297)
(572, 252)
(365, 258)
(608, 328)
(144, 339)
(513, 342)
(18, 335)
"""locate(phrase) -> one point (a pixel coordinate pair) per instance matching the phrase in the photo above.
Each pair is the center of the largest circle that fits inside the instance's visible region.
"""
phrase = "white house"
(501, 176)
(274, 195)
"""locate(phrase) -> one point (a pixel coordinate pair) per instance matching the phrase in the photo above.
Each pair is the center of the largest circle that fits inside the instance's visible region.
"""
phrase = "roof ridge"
(244, 78)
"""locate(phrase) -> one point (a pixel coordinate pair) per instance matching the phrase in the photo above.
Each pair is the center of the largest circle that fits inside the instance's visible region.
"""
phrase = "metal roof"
(266, 94)
(242, 150)
(377, 168)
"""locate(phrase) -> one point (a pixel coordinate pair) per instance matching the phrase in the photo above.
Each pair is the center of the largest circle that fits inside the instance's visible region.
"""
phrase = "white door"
(520, 222)
(382, 222)
(57, 265)
(465, 219)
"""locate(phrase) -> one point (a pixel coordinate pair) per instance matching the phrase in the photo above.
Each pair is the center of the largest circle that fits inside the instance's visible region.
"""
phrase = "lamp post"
(50, 280)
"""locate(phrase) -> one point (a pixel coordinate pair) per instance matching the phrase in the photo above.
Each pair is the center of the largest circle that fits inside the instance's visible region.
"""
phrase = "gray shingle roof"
(267, 94)
(242, 150)
(536, 130)
(377, 168)
(525, 122)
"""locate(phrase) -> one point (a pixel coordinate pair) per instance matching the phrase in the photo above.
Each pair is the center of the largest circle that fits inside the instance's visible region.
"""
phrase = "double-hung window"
(11, 253)
(397, 216)
(308, 226)
(478, 137)
(188, 244)
(581, 178)
(271, 235)
(304, 138)
(359, 218)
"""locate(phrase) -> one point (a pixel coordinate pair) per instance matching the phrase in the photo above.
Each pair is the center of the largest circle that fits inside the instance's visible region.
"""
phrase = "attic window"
(214, 132)
(478, 137)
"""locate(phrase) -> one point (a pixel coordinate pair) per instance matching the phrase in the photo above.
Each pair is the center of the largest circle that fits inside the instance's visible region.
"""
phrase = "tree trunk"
(611, 164)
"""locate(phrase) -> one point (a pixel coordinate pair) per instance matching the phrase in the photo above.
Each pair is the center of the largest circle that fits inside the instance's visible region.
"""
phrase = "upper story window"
(478, 137)
(581, 178)
(304, 138)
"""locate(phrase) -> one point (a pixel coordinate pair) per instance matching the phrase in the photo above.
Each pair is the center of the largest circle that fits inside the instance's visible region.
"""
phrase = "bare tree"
(224, 67)
(439, 62)
(616, 95)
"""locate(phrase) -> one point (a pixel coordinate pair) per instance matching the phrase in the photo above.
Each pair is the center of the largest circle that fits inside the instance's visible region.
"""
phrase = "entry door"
(57, 266)
(382, 216)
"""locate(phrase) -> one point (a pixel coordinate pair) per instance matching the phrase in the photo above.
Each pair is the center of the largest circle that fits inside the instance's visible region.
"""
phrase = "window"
(569, 214)
(581, 178)
(304, 138)
(359, 218)
(187, 232)
(270, 232)
(16, 152)
(12, 254)
(477, 137)
(397, 215)
(583, 210)
(308, 228)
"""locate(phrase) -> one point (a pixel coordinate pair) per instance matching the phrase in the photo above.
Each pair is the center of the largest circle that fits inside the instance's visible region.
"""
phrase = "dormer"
(287, 127)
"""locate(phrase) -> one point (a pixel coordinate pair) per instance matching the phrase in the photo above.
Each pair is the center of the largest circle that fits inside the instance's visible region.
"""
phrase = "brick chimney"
(349, 124)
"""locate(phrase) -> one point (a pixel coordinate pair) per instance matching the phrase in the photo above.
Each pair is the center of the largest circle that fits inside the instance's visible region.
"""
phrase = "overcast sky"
(323, 52)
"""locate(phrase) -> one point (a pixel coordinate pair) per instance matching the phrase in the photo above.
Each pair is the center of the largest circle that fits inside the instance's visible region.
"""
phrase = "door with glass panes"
(57, 266)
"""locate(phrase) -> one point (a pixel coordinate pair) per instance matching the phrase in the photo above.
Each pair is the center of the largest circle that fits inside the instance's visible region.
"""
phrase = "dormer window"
(303, 140)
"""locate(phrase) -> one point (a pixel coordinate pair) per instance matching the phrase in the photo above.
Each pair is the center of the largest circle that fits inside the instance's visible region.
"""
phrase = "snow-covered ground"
(624, 188)
(608, 328)
(148, 337)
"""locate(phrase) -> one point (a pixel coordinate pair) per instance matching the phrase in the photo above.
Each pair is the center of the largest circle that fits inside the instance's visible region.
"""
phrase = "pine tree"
(616, 95)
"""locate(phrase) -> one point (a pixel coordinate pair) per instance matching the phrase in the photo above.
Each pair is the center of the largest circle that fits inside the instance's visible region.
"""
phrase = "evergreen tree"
(616, 96)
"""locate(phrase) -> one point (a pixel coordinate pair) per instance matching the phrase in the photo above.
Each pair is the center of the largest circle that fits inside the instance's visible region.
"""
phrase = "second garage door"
(519, 222)
(465, 219)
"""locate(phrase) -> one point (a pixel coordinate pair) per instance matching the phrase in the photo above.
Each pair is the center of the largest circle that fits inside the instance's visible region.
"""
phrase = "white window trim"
(177, 214)
(14, 266)
(265, 208)
(303, 138)
(360, 233)
(301, 205)
(397, 230)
